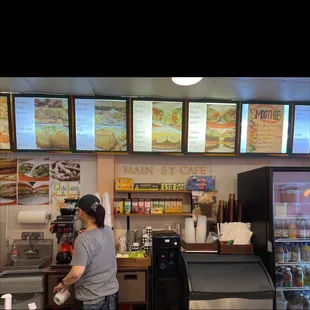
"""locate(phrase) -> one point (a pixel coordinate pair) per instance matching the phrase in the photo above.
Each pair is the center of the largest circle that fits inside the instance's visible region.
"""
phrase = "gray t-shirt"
(94, 249)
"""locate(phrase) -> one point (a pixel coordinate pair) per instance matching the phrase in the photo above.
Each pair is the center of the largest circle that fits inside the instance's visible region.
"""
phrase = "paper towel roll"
(7, 301)
(32, 217)
(61, 297)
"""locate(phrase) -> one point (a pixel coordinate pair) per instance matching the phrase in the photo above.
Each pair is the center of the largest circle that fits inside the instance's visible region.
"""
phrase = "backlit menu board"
(4, 123)
(264, 128)
(42, 122)
(101, 124)
(157, 125)
(211, 127)
(301, 134)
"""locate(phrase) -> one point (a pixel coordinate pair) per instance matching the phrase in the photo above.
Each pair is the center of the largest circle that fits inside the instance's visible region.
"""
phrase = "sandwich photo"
(7, 192)
(40, 171)
(51, 111)
(8, 169)
(213, 115)
(229, 138)
(110, 113)
(105, 139)
(229, 116)
(24, 190)
(25, 168)
(212, 139)
(166, 141)
(173, 117)
(42, 190)
(157, 114)
(3, 108)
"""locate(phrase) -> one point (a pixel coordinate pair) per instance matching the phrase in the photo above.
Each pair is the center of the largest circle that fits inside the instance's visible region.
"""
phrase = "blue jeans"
(107, 303)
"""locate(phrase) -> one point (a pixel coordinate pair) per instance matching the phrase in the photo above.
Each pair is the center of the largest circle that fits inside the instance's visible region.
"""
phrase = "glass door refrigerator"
(276, 201)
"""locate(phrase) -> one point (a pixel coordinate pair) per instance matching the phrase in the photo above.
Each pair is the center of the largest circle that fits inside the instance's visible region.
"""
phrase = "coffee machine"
(66, 227)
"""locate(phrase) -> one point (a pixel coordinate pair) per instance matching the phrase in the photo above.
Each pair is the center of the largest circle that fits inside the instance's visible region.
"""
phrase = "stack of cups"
(107, 207)
(189, 234)
(201, 230)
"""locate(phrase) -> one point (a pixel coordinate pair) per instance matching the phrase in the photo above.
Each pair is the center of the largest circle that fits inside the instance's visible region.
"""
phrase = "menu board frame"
(292, 122)
(39, 95)
(237, 127)
(284, 103)
(10, 124)
(151, 99)
(126, 99)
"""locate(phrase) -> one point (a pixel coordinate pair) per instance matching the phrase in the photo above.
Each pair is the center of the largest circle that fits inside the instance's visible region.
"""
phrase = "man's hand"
(59, 288)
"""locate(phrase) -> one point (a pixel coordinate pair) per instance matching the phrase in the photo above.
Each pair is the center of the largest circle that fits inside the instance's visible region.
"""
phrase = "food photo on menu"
(110, 122)
(65, 170)
(4, 124)
(33, 170)
(33, 193)
(220, 131)
(8, 193)
(8, 169)
(166, 126)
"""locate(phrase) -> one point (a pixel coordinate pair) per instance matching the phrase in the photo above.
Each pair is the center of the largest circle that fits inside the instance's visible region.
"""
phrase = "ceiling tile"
(244, 89)
(292, 90)
(67, 86)
(123, 86)
(14, 85)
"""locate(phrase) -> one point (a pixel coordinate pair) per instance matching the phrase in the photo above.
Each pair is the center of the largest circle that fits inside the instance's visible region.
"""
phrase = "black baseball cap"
(86, 201)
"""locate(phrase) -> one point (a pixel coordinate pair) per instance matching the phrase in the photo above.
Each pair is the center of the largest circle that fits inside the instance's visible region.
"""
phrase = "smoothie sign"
(264, 128)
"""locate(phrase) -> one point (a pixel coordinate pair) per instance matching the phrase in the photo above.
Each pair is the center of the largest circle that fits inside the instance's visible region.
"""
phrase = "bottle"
(278, 229)
(296, 253)
(308, 229)
(292, 230)
(14, 253)
(299, 278)
(284, 230)
(302, 251)
(288, 279)
(285, 255)
(289, 248)
(302, 230)
(306, 303)
(279, 254)
(307, 276)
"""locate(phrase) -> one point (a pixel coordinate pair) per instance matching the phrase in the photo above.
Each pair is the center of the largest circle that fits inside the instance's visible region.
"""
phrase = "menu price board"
(101, 124)
(42, 123)
(157, 125)
(4, 123)
(264, 128)
(301, 134)
(211, 127)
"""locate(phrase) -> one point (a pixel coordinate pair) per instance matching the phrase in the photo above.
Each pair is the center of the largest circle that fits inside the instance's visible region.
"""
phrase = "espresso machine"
(66, 227)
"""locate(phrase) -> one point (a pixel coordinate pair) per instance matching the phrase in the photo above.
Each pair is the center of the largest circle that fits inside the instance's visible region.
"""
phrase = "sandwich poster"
(265, 128)
(157, 126)
(8, 169)
(8, 193)
(211, 127)
(4, 124)
(65, 170)
(33, 170)
(33, 193)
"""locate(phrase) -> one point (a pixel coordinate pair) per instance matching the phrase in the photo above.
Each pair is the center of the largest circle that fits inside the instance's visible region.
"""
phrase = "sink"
(27, 263)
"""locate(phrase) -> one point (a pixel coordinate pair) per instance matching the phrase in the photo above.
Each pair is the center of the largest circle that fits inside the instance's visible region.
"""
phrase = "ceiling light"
(186, 81)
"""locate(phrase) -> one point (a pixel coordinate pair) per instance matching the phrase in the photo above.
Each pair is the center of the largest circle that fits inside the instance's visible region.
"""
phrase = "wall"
(225, 169)
(88, 185)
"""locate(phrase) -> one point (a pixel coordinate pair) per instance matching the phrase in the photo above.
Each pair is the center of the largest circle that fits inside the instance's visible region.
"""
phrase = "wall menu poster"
(101, 124)
(301, 135)
(211, 127)
(42, 123)
(4, 124)
(264, 128)
(157, 126)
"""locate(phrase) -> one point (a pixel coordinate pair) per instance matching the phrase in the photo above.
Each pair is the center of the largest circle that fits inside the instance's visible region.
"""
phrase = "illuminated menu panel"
(211, 127)
(4, 124)
(301, 136)
(157, 126)
(101, 125)
(264, 128)
(42, 123)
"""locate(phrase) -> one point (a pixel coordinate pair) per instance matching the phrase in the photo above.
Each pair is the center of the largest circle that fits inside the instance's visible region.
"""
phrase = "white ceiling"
(269, 88)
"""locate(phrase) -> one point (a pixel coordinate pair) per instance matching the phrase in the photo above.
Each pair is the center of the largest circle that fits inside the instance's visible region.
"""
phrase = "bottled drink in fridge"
(284, 229)
(299, 278)
(292, 230)
(279, 254)
(296, 253)
(288, 278)
(285, 254)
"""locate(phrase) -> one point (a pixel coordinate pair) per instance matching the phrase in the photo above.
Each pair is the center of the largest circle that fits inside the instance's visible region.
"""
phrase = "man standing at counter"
(94, 266)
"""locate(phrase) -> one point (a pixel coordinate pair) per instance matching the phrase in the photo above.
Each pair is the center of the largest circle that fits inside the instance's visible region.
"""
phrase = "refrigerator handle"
(269, 246)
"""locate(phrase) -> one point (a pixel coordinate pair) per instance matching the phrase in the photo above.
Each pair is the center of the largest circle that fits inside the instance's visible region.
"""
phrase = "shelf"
(286, 289)
(292, 264)
(293, 217)
(293, 240)
(157, 214)
(150, 191)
